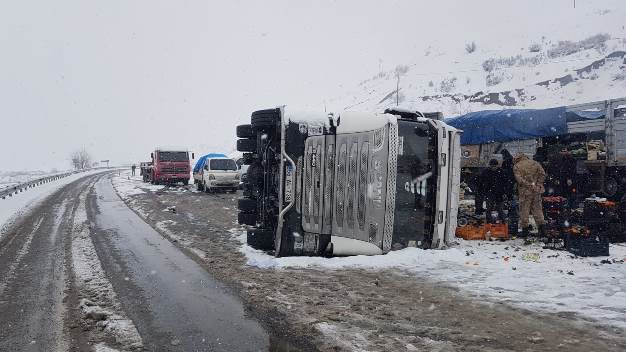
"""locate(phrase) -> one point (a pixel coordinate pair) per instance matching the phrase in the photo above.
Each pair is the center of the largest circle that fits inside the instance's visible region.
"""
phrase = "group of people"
(517, 183)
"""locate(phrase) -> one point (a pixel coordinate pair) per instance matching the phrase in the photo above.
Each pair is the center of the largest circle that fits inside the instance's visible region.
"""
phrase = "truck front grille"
(362, 185)
(341, 185)
(352, 184)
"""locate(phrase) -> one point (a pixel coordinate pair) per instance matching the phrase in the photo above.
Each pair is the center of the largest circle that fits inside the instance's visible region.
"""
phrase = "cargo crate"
(497, 231)
(471, 232)
(587, 245)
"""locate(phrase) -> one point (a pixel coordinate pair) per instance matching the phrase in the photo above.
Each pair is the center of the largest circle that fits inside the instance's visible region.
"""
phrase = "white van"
(216, 173)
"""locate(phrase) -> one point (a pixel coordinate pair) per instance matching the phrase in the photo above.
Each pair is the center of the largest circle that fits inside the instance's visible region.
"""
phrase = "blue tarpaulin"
(483, 127)
(200, 163)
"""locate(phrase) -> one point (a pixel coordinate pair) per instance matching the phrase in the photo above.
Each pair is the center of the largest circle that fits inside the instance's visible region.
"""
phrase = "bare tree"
(80, 159)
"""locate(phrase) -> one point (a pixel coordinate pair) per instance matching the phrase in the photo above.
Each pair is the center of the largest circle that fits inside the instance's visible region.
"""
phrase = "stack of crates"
(592, 239)
(556, 214)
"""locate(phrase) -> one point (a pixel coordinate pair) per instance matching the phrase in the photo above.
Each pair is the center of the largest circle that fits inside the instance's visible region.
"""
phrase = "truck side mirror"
(193, 155)
(152, 156)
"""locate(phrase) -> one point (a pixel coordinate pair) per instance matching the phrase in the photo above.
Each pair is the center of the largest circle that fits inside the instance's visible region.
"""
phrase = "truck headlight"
(211, 177)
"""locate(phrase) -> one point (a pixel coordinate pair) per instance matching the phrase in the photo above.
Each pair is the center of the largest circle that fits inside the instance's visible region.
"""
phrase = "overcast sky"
(119, 77)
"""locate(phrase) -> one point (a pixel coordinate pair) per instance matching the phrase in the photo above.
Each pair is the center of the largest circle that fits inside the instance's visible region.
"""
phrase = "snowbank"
(13, 207)
(127, 185)
(526, 276)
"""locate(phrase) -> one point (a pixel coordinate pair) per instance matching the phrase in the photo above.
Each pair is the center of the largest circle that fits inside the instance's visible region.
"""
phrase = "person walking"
(530, 177)
(492, 185)
(132, 169)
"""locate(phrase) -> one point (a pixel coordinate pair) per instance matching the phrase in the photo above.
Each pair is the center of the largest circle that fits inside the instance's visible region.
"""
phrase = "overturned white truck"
(349, 183)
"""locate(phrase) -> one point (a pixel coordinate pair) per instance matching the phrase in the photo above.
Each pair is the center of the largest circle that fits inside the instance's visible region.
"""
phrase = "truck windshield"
(173, 156)
(415, 184)
(223, 164)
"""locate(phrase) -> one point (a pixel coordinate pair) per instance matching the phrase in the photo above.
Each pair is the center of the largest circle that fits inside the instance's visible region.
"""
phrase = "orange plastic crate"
(471, 232)
(497, 231)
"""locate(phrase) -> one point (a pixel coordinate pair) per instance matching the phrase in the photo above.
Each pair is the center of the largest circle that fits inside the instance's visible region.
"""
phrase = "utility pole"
(398, 90)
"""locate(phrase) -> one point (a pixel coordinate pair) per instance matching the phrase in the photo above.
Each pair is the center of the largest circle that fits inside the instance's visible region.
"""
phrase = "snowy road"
(82, 272)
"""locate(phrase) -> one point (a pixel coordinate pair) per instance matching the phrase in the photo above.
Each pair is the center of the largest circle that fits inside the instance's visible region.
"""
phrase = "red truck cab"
(170, 166)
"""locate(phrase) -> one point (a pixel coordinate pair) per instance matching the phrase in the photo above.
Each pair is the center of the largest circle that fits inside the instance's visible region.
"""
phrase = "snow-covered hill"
(560, 66)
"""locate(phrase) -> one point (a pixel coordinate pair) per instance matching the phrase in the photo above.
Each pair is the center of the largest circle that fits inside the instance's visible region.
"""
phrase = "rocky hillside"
(544, 72)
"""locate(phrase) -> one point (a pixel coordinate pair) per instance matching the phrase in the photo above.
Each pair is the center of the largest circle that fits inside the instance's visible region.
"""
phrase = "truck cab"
(215, 172)
(170, 166)
(348, 183)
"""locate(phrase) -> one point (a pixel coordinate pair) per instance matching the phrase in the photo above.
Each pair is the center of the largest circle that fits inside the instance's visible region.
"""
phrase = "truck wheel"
(245, 131)
(185, 182)
(246, 145)
(246, 219)
(246, 205)
(260, 239)
(198, 186)
(263, 120)
(248, 158)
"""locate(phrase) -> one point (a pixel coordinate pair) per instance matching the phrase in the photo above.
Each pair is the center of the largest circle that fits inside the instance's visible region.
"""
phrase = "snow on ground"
(526, 276)
(12, 207)
(8, 179)
(127, 185)
(99, 301)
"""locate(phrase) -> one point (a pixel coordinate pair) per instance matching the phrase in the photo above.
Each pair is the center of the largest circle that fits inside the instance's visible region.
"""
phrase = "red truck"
(169, 166)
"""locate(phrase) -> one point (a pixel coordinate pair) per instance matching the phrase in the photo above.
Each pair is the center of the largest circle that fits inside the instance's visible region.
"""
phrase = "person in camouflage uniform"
(530, 177)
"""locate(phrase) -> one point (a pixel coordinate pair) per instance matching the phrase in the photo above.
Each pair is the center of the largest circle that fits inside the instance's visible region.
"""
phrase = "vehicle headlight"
(211, 177)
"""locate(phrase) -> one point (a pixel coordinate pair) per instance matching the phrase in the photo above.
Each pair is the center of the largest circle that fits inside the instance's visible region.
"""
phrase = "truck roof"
(171, 149)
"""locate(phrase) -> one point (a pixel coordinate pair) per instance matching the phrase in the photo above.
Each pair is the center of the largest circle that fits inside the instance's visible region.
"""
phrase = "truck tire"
(246, 205)
(246, 145)
(260, 239)
(246, 219)
(263, 120)
(245, 131)
(248, 158)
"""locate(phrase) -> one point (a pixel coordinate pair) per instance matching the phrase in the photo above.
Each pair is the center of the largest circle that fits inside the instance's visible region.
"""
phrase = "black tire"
(199, 186)
(245, 131)
(246, 145)
(260, 239)
(265, 119)
(246, 205)
(185, 182)
(246, 219)
(248, 158)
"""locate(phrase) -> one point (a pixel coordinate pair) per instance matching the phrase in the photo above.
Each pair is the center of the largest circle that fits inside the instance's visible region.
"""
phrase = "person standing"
(132, 169)
(510, 197)
(492, 185)
(566, 176)
(530, 177)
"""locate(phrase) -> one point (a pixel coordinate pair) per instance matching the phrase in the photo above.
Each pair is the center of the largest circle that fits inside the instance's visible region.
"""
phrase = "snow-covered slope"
(577, 61)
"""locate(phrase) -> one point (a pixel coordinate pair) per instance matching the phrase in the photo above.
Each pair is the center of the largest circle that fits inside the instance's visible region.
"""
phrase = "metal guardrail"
(11, 191)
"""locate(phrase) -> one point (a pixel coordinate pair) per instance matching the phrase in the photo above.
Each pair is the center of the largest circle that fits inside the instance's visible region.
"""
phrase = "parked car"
(216, 172)
(349, 183)
(169, 166)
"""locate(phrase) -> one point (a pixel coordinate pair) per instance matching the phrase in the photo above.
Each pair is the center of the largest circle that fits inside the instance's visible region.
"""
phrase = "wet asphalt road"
(174, 303)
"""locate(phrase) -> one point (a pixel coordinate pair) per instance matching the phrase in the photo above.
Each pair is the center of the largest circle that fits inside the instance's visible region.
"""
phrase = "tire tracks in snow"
(98, 299)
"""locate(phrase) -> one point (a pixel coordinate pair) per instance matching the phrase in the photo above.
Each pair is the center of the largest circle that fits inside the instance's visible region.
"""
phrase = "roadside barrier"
(11, 191)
